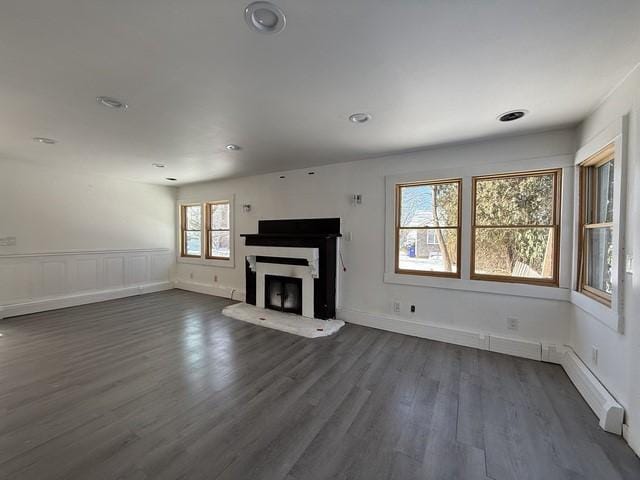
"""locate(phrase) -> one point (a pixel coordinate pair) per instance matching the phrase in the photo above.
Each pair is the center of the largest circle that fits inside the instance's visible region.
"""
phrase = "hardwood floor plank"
(164, 387)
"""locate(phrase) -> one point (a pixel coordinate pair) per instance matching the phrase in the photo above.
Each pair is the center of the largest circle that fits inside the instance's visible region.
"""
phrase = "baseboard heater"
(610, 412)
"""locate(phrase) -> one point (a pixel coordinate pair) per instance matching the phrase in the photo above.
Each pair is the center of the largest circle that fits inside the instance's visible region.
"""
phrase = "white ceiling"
(196, 78)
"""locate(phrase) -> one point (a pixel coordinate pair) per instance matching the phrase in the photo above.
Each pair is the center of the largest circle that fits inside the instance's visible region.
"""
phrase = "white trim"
(608, 410)
(552, 353)
(431, 331)
(595, 394)
(513, 346)
(36, 281)
(498, 288)
(202, 260)
(632, 439)
(208, 289)
(311, 255)
(64, 301)
(85, 252)
(516, 347)
(615, 133)
(465, 283)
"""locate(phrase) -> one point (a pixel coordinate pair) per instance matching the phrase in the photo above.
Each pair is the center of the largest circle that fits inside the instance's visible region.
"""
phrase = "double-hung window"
(595, 245)
(206, 232)
(191, 231)
(515, 227)
(428, 228)
(218, 231)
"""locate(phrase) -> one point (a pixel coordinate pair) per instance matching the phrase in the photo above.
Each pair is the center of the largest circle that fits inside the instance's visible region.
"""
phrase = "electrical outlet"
(413, 309)
(191, 275)
(215, 278)
(629, 263)
(512, 323)
(396, 307)
(8, 241)
(594, 355)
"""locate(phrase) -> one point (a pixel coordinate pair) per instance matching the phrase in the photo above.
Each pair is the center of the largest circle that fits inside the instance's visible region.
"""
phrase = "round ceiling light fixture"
(45, 140)
(158, 165)
(512, 115)
(264, 17)
(360, 118)
(111, 102)
(233, 147)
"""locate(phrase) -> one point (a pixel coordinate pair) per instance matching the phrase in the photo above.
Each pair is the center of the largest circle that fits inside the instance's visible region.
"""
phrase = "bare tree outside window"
(428, 228)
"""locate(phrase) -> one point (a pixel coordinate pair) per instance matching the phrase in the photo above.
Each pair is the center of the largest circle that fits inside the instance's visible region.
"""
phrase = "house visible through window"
(428, 228)
(596, 226)
(515, 231)
(191, 226)
(218, 230)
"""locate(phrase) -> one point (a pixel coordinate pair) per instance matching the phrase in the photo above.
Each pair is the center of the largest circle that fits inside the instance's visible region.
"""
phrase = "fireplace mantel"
(311, 245)
(311, 255)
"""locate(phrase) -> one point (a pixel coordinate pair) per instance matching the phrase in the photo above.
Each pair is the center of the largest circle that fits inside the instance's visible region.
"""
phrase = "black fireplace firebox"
(283, 293)
(320, 233)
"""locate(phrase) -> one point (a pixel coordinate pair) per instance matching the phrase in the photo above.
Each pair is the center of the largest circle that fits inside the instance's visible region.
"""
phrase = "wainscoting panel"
(114, 271)
(44, 281)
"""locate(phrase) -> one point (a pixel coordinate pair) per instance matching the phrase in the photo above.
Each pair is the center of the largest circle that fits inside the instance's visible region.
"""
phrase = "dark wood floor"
(162, 386)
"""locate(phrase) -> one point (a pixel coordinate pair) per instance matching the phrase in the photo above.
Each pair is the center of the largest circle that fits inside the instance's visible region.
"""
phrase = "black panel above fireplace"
(320, 233)
(311, 226)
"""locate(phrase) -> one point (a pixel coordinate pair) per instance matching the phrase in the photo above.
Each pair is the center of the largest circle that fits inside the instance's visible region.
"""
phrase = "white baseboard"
(72, 300)
(610, 412)
(209, 289)
(552, 353)
(423, 330)
(516, 347)
(632, 439)
(599, 399)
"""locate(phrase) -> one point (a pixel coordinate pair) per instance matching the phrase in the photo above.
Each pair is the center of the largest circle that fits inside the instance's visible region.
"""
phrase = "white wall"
(79, 235)
(365, 297)
(618, 354)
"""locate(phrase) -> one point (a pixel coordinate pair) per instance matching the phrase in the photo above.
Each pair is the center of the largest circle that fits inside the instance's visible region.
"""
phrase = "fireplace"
(291, 266)
(283, 293)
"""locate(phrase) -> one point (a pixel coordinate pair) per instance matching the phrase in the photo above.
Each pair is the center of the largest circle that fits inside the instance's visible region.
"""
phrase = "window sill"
(207, 262)
(501, 288)
(604, 314)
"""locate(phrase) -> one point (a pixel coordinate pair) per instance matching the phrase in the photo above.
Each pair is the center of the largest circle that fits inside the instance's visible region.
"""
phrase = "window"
(218, 231)
(595, 247)
(428, 228)
(515, 227)
(191, 226)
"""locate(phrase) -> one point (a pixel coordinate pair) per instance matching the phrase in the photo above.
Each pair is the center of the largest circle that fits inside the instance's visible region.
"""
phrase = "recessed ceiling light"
(282, 176)
(360, 117)
(158, 165)
(171, 179)
(111, 102)
(311, 173)
(512, 115)
(233, 147)
(48, 141)
(264, 17)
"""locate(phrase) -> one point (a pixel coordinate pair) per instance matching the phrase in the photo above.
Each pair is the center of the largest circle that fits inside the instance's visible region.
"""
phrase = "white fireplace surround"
(304, 272)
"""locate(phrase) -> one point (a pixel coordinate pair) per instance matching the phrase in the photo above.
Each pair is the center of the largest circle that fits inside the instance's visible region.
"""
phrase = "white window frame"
(467, 172)
(203, 260)
(611, 316)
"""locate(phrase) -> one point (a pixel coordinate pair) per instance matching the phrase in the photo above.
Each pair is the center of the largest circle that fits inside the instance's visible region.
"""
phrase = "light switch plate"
(629, 263)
